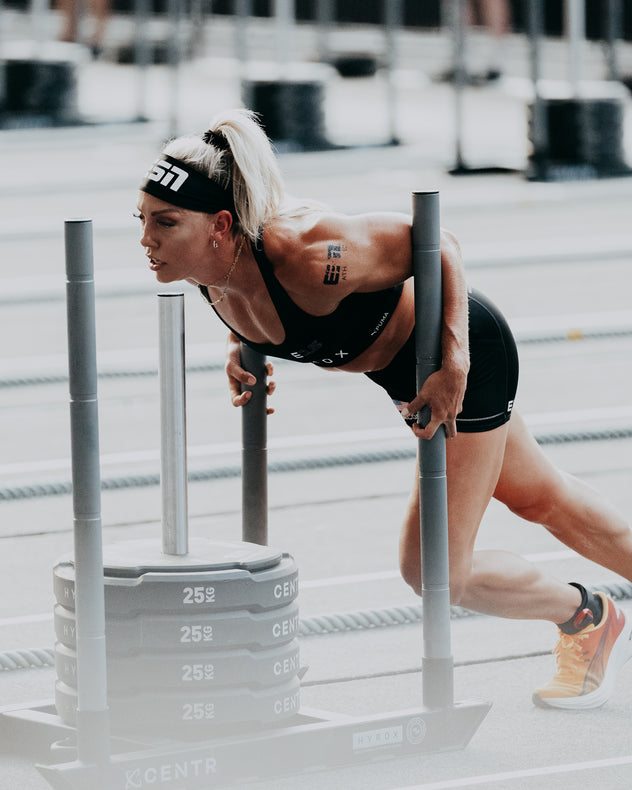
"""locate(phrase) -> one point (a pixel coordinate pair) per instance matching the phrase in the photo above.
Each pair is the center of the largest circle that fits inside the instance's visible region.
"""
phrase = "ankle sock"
(588, 612)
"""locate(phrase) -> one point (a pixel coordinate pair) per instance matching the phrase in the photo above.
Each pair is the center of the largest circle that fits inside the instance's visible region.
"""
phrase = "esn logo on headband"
(167, 175)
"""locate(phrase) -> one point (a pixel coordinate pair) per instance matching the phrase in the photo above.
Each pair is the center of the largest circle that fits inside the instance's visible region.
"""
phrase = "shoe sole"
(620, 654)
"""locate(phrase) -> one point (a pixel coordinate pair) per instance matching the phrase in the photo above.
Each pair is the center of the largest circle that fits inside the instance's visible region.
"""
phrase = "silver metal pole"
(612, 34)
(243, 12)
(142, 56)
(174, 14)
(173, 443)
(437, 666)
(576, 35)
(325, 21)
(285, 17)
(196, 37)
(459, 61)
(254, 432)
(39, 13)
(393, 18)
(93, 731)
(241, 19)
(3, 70)
(539, 126)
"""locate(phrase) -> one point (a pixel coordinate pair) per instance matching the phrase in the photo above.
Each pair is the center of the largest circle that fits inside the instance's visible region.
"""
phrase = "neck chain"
(227, 276)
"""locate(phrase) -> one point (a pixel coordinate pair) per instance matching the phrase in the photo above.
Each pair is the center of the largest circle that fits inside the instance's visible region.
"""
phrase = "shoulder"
(312, 252)
(299, 237)
(301, 247)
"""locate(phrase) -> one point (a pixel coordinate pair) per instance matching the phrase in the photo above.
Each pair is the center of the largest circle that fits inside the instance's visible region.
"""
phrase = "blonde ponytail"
(245, 160)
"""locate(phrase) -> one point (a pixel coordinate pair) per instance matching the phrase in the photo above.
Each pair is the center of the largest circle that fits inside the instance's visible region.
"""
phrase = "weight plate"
(135, 557)
(193, 633)
(189, 714)
(188, 592)
(217, 669)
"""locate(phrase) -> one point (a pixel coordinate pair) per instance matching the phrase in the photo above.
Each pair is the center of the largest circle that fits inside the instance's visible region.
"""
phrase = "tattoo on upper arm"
(335, 271)
(334, 251)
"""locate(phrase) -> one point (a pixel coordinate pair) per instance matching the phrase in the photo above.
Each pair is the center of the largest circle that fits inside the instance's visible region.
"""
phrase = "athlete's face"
(178, 242)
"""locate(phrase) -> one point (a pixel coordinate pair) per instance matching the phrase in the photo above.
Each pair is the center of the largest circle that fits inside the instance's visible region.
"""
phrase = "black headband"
(177, 183)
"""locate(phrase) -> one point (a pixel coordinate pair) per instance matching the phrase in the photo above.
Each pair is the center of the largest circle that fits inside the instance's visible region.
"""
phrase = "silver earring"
(215, 244)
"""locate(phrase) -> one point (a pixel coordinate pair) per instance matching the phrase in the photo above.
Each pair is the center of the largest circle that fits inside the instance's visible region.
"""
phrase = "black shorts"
(493, 377)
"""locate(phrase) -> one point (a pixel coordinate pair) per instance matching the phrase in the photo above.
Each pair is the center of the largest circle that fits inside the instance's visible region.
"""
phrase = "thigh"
(528, 479)
(473, 464)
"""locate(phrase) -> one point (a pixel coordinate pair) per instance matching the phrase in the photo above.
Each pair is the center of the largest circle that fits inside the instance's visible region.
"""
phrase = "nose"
(146, 240)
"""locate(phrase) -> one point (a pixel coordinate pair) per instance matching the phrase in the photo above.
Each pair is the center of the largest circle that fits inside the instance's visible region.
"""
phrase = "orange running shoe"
(588, 662)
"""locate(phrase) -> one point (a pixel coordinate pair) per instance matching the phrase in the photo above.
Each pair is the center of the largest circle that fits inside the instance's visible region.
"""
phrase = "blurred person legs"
(72, 11)
(492, 18)
(495, 16)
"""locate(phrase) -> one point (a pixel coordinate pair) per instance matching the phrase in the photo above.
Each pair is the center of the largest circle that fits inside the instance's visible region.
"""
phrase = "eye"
(165, 223)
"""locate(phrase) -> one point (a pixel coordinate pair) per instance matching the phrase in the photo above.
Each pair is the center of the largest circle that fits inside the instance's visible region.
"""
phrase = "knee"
(458, 590)
(411, 573)
(459, 582)
(539, 506)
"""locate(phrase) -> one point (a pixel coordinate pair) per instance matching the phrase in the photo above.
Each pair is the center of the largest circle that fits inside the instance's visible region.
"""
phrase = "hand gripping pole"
(437, 664)
(254, 453)
(93, 739)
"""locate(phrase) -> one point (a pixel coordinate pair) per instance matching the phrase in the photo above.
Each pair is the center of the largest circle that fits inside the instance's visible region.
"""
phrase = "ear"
(223, 223)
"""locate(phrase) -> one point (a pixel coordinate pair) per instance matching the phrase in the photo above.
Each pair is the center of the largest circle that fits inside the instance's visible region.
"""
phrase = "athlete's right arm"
(238, 376)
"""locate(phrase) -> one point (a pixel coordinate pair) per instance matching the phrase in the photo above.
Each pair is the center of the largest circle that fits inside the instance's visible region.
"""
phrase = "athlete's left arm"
(444, 390)
(377, 254)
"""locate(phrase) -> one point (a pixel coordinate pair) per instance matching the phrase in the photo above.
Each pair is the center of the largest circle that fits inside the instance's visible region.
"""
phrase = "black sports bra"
(329, 340)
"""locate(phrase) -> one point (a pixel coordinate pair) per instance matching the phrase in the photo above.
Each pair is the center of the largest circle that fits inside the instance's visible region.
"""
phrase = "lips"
(154, 264)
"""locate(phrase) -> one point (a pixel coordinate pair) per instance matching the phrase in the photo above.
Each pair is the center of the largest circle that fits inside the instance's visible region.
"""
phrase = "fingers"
(450, 429)
(426, 425)
(239, 378)
(241, 399)
(270, 389)
(429, 431)
(425, 433)
(271, 385)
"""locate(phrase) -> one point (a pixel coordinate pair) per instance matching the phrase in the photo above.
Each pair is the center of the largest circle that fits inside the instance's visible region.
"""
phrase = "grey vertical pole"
(539, 127)
(612, 33)
(393, 21)
(254, 452)
(196, 37)
(437, 674)
(142, 56)
(325, 22)
(241, 17)
(285, 19)
(93, 738)
(3, 70)
(460, 75)
(242, 14)
(173, 442)
(576, 35)
(174, 14)
(40, 10)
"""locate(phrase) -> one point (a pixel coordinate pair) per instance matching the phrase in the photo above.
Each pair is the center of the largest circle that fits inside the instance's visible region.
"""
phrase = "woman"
(306, 284)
